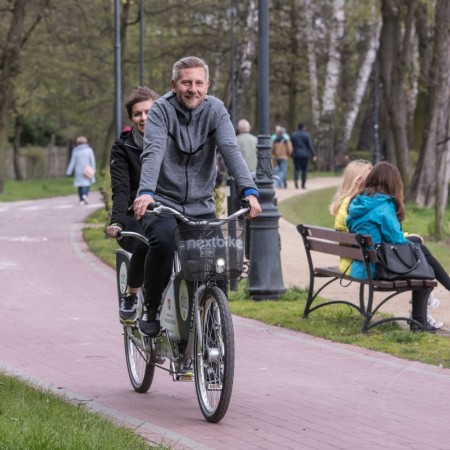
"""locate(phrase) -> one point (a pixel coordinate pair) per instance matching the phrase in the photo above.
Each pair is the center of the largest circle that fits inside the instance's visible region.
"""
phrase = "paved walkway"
(60, 330)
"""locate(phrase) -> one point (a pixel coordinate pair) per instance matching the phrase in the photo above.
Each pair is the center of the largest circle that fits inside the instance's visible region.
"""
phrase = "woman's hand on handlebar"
(140, 205)
(255, 208)
(113, 231)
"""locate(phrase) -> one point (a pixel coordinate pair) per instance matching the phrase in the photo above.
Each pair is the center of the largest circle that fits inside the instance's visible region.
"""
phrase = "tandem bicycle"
(196, 340)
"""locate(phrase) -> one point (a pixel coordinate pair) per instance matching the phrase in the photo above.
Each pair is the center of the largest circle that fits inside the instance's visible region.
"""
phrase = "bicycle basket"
(201, 245)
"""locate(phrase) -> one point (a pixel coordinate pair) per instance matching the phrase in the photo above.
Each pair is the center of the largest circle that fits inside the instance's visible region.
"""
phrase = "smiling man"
(184, 130)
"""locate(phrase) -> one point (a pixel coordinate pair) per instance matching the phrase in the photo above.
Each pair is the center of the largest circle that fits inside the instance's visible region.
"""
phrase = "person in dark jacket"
(125, 169)
(303, 149)
(184, 130)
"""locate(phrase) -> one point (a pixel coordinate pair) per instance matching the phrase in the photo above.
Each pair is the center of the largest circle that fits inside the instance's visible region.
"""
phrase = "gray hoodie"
(179, 157)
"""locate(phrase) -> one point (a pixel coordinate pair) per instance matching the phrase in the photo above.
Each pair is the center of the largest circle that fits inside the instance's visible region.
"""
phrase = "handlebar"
(158, 208)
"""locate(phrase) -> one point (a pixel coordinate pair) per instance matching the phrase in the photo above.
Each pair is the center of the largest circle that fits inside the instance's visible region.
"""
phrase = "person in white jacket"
(82, 166)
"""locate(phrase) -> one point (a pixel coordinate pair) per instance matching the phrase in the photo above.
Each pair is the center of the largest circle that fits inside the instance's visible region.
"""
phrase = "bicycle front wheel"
(214, 355)
(140, 369)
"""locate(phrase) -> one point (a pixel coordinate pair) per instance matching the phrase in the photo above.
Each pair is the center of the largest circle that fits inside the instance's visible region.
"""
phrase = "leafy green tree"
(21, 20)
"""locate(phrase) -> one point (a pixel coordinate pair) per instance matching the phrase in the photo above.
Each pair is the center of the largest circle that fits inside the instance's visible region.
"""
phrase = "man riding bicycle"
(183, 130)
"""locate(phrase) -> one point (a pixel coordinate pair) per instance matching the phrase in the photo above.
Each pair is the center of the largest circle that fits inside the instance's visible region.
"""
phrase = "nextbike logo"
(214, 243)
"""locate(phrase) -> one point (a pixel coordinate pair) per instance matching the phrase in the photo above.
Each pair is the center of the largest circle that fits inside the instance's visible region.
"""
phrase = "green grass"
(36, 189)
(310, 208)
(340, 323)
(32, 418)
(103, 247)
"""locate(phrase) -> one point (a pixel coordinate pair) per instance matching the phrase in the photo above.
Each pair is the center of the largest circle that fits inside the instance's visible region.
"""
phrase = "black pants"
(420, 305)
(439, 272)
(138, 250)
(159, 262)
(301, 165)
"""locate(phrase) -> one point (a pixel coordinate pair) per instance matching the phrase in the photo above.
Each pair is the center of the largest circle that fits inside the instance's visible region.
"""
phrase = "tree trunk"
(395, 59)
(360, 85)
(108, 142)
(422, 188)
(438, 136)
(326, 128)
(312, 63)
(10, 56)
(18, 126)
(293, 70)
(9, 69)
(425, 46)
(247, 57)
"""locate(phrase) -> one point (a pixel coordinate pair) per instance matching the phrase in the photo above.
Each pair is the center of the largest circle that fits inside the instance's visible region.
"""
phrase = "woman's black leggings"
(439, 272)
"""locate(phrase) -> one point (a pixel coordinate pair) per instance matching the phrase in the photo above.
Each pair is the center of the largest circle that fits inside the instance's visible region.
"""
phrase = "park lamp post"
(118, 77)
(141, 43)
(265, 279)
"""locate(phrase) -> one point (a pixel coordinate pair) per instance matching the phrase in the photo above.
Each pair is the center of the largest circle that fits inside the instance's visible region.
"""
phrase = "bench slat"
(333, 248)
(341, 237)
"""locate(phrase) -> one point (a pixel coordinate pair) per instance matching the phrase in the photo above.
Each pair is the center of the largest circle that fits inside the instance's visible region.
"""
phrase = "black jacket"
(125, 168)
(302, 144)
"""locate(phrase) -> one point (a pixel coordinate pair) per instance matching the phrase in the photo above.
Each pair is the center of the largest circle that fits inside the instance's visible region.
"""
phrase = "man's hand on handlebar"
(255, 208)
(140, 205)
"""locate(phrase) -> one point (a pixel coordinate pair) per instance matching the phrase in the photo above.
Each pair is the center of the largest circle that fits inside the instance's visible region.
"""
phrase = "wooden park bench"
(357, 247)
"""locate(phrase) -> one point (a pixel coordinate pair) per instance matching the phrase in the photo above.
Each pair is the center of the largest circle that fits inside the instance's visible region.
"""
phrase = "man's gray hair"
(189, 62)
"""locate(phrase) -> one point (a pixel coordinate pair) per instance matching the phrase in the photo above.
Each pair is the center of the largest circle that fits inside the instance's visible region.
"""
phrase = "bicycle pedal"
(188, 376)
(128, 322)
(214, 387)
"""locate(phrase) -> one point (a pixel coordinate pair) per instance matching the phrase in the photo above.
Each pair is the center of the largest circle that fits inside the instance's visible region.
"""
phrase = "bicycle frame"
(196, 334)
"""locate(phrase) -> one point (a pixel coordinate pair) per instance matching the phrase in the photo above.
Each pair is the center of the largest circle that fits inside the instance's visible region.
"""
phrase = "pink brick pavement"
(292, 391)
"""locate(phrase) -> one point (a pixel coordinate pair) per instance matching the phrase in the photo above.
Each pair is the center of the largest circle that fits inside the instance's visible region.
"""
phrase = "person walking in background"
(277, 132)
(82, 165)
(303, 149)
(247, 143)
(281, 152)
(125, 169)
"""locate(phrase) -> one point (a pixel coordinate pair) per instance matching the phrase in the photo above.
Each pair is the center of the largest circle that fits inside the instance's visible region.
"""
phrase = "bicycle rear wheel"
(214, 355)
(140, 369)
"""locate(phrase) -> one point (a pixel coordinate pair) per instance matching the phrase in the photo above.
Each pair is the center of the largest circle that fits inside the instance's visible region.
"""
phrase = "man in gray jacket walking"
(184, 128)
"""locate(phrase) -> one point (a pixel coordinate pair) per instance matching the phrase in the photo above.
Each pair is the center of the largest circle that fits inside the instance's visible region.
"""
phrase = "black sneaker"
(427, 328)
(127, 309)
(149, 321)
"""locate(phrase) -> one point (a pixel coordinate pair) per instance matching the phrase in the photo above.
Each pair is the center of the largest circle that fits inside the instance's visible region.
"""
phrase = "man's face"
(191, 87)
(139, 112)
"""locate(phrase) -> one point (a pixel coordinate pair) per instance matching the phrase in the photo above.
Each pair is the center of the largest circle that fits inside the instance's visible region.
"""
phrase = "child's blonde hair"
(354, 174)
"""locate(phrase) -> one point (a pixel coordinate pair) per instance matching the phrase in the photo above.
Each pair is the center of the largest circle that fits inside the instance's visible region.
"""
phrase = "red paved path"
(292, 391)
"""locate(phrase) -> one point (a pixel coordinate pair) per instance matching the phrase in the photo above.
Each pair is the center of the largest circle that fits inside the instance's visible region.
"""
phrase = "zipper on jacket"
(188, 159)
